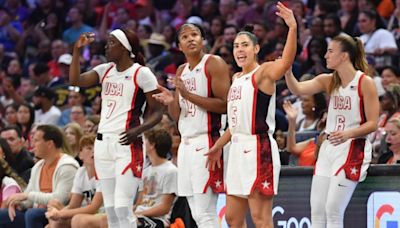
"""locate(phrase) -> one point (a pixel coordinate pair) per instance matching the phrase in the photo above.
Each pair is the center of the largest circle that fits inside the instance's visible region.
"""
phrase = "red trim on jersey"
(362, 111)
(253, 118)
(354, 161)
(217, 174)
(265, 169)
(105, 75)
(136, 154)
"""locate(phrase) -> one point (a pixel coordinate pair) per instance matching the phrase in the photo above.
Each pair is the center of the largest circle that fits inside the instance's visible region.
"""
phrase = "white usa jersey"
(250, 111)
(346, 106)
(194, 120)
(123, 96)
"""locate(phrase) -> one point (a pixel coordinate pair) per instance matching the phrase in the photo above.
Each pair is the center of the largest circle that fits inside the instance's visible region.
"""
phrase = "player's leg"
(236, 210)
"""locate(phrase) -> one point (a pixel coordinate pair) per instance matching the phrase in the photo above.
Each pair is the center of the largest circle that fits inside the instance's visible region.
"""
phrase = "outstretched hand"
(286, 14)
(85, 39)
(165, 97)
(214, 158)
(291, 112)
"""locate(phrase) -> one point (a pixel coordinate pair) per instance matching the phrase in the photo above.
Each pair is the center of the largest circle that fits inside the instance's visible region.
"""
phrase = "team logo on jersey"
(198, 70)
(353, 87)
(128, 77)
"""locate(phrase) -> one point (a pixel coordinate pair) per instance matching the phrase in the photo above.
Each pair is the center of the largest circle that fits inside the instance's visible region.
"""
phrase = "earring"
(313, 109)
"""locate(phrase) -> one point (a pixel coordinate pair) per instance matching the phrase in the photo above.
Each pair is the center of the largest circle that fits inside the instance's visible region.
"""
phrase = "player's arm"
(173, 108)
(218, 71)
(75, 77)
(275, 70)
(316, 85)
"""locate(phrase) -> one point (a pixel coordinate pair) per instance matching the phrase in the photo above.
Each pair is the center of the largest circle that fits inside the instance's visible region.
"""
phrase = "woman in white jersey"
(202, 85)
(253, 164)
(126, 86)
(353, 112)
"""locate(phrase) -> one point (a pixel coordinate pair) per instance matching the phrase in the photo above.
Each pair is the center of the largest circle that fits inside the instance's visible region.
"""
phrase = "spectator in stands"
(393, 140)
(10, 182)
(83, 191)
(51, 178)
(227, 11)
(25, 120)
(77, 26)
(390, 109)
(348, 16)
(10, 30)
(280, 138)
(315, 63)
(19, 159)
(43, 77)
(45, 112)
(91, 124)
(73, 134)
(169, 33)
(27, 88)
(75, 98)
(11, 114)
(306, 150)
(58, 47)
(377, 41)
(332, 26)
(159, 55)
(390, 75)
(312, 106)
(78, 114)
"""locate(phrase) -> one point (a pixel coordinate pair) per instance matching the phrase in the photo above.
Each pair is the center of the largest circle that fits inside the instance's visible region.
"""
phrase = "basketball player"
(202, 85)
(353, 113)
(126, 87)
(253, 164)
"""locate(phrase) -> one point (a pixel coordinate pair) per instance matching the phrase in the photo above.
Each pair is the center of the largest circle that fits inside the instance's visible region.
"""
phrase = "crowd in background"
(37, 36)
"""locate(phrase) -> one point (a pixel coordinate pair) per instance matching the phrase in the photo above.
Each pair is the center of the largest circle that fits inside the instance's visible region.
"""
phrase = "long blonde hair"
(355, 48)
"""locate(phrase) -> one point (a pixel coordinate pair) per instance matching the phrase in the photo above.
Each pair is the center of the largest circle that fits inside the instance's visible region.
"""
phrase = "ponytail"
(360, 62)
(139, 58)
(355, 48)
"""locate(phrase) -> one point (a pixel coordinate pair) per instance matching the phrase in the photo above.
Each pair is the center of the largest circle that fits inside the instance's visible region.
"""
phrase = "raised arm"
(75, 77)
(309, 87)
(218, 71)
(276, 69)
(292, 146)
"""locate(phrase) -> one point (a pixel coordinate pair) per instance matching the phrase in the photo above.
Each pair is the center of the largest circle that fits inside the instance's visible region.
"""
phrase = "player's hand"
(291, 112)
(165, 97)
(179, 85)
(214, 158)
(85, 39)
(128, 137)
(338, 137)
(286, 14)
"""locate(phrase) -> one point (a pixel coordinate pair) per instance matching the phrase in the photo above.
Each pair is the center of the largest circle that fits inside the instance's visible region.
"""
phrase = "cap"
(158, 39)
(65, 59)
(195, 20)
(43, 91)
